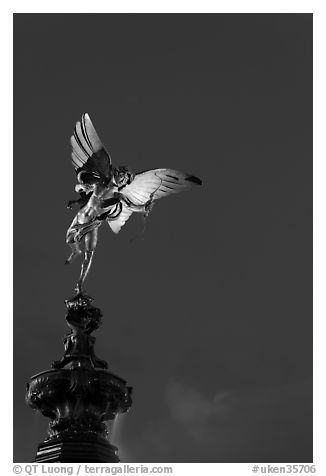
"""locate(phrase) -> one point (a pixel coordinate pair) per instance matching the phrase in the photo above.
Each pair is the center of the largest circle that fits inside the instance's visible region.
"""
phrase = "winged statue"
(110, 194)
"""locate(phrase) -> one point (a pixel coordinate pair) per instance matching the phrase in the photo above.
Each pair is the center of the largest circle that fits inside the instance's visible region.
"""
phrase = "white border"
(60, 6)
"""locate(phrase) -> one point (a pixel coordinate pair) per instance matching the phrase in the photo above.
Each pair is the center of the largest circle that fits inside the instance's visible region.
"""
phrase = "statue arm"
(111, 201)
(144, 208)
(84, 197)
(119, 197)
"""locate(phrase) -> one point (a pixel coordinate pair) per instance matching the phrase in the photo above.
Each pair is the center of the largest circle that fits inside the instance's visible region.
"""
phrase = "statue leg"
(75, 251)
(90, 245)
(73, 241)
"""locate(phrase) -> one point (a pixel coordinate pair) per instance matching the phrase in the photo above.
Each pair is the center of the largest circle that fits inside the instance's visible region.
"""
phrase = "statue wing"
(151, 184)
(117, 223)
(88, 152)
(158, 183)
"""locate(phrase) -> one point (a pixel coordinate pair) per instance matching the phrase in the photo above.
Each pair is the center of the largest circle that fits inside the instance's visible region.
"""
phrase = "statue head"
(89, 180)
(122, 176)
(86, 188)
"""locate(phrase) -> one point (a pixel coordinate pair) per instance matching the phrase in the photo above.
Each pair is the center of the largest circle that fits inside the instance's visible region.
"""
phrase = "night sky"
(208, 315)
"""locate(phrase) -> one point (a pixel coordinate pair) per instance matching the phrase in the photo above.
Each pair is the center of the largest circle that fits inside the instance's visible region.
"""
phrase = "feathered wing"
(152, 184)
(117, 223)
(88, 152)
(158, 183)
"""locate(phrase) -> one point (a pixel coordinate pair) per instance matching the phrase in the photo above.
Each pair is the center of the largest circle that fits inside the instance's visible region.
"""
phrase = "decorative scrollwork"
(78, 401)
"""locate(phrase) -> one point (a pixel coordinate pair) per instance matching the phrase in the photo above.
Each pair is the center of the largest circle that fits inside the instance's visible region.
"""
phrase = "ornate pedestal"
(78, 394)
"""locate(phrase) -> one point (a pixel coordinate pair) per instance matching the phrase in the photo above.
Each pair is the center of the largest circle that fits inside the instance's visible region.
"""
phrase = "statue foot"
(78, 289)
(80, 293)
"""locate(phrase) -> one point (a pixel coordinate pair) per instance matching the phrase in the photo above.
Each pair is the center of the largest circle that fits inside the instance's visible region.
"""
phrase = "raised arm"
(84, 197)
(144, 208)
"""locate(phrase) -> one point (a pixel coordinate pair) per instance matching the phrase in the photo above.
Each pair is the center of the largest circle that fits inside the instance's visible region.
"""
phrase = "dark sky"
(209, 317)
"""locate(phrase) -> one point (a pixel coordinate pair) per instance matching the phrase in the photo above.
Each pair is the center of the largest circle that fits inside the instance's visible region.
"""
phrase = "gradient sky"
(209, 316)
